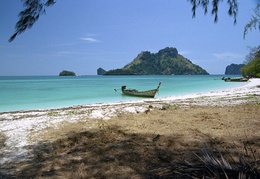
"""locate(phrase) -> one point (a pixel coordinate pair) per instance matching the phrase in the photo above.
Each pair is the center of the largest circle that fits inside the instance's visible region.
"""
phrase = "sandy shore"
(26, 128)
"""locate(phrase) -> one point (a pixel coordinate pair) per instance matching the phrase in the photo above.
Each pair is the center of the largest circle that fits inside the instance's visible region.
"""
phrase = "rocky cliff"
(233, 69)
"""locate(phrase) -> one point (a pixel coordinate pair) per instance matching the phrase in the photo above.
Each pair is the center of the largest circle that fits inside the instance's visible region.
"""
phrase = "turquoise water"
(42, 92)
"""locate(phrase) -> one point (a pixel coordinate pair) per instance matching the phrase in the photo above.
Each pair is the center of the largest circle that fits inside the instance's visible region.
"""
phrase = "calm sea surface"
(41, 92)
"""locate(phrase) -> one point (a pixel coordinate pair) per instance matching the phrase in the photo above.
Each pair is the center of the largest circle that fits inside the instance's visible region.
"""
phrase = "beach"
(230, 116)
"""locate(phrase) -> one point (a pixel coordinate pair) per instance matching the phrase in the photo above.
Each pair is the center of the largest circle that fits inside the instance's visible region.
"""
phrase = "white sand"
(16, 127)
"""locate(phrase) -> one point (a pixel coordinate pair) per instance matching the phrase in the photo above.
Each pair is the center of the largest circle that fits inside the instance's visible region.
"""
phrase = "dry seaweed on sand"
(213, 164)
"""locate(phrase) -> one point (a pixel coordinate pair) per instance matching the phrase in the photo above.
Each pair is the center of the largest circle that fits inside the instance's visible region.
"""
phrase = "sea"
(47, 92)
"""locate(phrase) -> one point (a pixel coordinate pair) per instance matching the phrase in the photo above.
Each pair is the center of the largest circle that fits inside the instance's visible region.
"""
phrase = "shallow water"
(42, 92)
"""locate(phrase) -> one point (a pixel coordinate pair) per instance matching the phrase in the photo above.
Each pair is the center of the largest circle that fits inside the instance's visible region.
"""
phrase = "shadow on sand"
(113, 153)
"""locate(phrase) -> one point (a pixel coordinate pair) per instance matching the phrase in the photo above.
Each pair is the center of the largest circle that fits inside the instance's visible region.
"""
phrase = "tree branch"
(31, 13)
(232, 11)
(254, 22)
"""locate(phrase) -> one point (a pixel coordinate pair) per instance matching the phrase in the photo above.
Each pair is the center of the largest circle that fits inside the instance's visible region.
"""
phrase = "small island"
(165, 62)
(67, 73)
(101, 71)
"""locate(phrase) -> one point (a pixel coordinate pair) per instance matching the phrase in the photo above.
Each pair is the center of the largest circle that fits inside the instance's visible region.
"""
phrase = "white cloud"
(62, 53)
(65, 52)
(228, 56)
(183, 52)
(67, 44)
(89, 39)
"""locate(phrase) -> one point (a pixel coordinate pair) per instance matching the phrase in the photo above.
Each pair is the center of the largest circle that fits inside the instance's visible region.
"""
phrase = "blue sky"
(83, 35)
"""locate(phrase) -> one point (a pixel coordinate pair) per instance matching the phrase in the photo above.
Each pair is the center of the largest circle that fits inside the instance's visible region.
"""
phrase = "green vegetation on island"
(67, 73)
(166, 62)
(252, 68)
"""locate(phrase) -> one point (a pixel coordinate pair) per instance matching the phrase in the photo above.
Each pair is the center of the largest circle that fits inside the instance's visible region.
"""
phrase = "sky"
(83, 35)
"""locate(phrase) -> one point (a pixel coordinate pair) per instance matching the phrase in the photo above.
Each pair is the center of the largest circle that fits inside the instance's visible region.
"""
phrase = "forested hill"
(166, 62)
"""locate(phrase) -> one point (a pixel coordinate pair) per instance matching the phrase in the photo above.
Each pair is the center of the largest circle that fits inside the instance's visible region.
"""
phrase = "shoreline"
(54, 98)
(216, 93)
(19, 127)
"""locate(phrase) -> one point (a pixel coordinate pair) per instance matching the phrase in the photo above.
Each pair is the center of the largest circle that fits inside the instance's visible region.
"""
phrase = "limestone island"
(166, 62)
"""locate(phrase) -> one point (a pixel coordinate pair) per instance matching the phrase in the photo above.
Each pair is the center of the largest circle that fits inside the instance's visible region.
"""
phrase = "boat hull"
(134, 92)
(150, 93)
(236, 79)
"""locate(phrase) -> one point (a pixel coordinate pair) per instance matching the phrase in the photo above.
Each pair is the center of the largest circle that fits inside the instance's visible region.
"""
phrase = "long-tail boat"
(236, 79)
(134, 92)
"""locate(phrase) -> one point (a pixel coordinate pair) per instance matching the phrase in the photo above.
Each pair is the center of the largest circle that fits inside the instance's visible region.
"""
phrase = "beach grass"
(213, 164)
(162, 143)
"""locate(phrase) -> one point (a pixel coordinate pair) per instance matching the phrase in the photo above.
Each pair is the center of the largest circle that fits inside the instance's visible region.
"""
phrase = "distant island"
(101, 71)
(166, 62)
(233, 69)
(67, 73)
